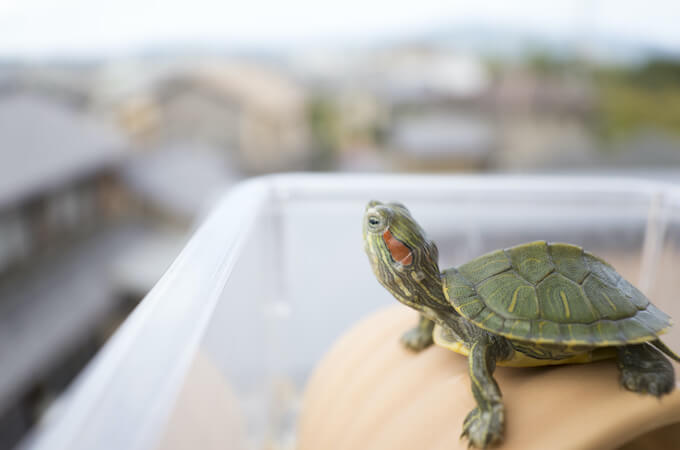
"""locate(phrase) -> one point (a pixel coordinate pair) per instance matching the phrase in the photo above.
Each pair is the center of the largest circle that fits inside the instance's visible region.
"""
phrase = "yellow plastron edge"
(522, 360)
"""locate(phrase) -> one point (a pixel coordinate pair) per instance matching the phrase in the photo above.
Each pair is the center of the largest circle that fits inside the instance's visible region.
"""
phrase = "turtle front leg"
(419, 337)
(484, 425)
(644, 369)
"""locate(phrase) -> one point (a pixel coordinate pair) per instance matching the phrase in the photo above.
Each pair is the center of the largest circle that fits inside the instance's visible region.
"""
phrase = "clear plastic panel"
(278, 271)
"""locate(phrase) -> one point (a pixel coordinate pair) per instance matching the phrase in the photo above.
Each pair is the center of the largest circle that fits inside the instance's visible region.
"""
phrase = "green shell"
(552, 293)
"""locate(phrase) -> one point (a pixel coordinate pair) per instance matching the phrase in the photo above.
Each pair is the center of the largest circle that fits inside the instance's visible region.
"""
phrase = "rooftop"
(443, 135)
(32, 311)
(181, 179)
(45, 144)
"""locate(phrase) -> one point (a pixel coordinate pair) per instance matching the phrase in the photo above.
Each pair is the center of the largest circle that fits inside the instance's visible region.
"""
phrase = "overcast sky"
(93, 27)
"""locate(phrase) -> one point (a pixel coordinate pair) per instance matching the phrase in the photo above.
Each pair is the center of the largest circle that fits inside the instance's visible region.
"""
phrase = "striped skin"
(542, 293)
(403, 260)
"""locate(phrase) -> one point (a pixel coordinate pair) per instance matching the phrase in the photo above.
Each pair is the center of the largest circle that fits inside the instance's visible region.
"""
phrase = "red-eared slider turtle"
(530, 305)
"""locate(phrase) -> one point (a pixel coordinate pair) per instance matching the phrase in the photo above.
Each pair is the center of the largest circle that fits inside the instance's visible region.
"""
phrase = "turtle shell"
(552, 293)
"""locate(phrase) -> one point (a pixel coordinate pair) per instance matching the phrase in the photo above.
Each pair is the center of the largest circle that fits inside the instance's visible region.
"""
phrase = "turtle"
(534, 304)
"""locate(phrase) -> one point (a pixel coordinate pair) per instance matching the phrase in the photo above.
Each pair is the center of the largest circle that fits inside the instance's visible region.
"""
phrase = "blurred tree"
(657, 74)
(646, 97)
(543, 62)
(324, 121)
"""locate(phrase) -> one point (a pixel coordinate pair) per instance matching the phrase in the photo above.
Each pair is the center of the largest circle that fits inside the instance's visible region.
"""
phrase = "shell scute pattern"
(653, 317)
(509, 295)
(601, 269)
(486, 266)
(607, 300)
(520, 328)
(564, 301)
(552, 293)
(630, 291)
(531, 261)
(471, 306)
(568, 260)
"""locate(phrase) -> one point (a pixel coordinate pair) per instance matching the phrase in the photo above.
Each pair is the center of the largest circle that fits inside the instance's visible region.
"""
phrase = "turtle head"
(403, 259)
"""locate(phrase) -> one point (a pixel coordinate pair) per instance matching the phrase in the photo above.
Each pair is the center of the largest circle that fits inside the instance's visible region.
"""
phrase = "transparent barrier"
(218, 353)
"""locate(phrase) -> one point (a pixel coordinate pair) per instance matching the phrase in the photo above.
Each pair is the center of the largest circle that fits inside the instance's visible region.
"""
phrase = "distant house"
(59, 196)
(255, 116)
(68, 85)
(57, 174)
(423, 75)
(525, 92)
(86, 228)
(543, 120)
(442, 142)
(177, 183)
(438, 119)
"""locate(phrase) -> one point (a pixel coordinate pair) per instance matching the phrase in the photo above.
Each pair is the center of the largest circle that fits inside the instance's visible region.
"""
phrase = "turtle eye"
(374, 221)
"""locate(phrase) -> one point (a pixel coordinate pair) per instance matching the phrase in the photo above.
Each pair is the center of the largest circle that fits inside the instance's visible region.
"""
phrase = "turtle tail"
(664, 348)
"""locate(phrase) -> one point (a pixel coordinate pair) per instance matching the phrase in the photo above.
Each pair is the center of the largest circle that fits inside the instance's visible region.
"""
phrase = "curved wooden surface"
(370, 393)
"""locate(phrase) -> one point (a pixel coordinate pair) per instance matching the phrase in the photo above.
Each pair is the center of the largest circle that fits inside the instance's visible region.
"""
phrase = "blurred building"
(545, 120)
(92, 214)
(415, 75)
(254, 115)
(442, 142)
(435, 108)
(69, 85)
(438, 119)
(58, 175)
(58, 190)
(177, 183)
(406, 107)
(86, 228)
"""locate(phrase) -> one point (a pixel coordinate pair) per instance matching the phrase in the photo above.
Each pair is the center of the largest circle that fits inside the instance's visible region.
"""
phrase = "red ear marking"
(399, 251)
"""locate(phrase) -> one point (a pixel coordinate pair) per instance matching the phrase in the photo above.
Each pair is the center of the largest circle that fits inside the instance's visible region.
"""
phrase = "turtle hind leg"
(644, 369)
(419, 337)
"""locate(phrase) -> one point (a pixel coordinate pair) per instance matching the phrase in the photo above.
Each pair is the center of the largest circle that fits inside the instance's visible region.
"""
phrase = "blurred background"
(121, 121)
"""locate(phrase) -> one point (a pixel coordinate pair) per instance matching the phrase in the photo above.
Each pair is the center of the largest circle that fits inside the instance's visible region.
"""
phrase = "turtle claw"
(649, 382)
(484, 428)
(644, 370)
(417, 339)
